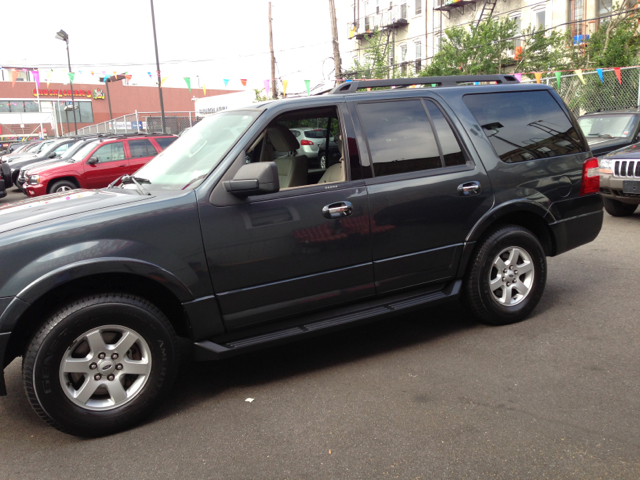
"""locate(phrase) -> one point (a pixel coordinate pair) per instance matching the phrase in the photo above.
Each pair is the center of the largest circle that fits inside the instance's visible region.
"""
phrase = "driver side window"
(111, 152)
(306, 147)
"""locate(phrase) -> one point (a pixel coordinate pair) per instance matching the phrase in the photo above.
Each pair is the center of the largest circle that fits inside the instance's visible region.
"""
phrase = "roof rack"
(450, 81)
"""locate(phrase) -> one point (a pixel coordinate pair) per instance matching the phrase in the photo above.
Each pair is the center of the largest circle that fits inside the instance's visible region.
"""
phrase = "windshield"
(73, 148)
(196, 153)
(42, 146)
(84, 151)
(608, 126)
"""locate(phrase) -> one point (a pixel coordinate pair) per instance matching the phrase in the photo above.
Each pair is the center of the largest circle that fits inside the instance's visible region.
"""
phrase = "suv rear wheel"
(507, 276)
(618, 209)
(100, 365)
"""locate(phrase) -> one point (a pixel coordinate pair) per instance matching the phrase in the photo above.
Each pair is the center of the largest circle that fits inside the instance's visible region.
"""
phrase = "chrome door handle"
(469, 188)
(337, 210)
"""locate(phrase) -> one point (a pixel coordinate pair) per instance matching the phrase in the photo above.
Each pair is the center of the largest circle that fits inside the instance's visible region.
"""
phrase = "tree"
(261, 96)
(376, 59)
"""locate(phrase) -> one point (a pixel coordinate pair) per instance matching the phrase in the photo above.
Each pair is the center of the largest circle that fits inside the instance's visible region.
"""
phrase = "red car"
(97, 164)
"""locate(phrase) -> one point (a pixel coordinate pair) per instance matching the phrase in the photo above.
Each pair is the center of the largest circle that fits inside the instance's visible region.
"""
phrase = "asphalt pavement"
(431, 395)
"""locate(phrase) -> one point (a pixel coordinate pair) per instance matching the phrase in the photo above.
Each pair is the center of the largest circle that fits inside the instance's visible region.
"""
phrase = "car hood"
(40, 167)
(601, 146)
(58, 205)
(18, 157)
(630, 151)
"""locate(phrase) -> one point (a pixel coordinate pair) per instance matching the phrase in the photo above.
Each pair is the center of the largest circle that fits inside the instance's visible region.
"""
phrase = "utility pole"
(274, 90)
(336, 46)
(155, 42)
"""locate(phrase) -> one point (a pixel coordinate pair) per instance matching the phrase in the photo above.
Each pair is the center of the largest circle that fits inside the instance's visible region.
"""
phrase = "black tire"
(618, 209)
(62, 186)
(6, 175)
(477, 294)
(50, 391)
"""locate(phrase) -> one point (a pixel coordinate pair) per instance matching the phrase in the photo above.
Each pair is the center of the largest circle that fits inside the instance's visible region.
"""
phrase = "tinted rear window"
(315, 133)
(165, 142)
(525, 125)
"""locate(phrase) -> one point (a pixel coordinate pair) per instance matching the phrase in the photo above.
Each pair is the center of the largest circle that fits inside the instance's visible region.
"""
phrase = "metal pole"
(155, 42)
(39, 110)
(137, 122)
(73, 101)
(638, 87)
(190, 124)
(106, 83)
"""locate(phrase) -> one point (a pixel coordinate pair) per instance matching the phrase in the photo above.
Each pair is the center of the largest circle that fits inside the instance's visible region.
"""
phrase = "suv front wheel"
(100, 365)
(506, 277)
(618, 209)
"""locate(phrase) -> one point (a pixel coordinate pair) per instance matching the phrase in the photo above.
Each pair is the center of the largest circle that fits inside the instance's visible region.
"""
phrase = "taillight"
(590, 177)
(306, 142)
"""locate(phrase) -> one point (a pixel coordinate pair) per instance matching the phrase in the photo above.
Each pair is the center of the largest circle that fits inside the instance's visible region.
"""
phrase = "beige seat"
(335, 173)
(292, 170)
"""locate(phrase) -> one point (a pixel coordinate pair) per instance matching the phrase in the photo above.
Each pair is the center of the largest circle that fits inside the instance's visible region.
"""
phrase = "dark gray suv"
(454, 191)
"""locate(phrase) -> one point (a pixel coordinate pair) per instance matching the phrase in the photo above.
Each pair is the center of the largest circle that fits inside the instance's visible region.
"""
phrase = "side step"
(207, 350)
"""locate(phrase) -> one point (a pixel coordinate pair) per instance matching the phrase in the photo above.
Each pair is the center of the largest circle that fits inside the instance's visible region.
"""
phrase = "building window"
(517, 42)
(86, 112)
(418, 56)
(31, 106)
(576, 16)
(418, 7)
(4, 106)
(541, 20)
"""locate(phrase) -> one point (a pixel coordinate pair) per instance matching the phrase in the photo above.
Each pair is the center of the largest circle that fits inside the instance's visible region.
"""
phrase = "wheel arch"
(69, 178)
(35, 303)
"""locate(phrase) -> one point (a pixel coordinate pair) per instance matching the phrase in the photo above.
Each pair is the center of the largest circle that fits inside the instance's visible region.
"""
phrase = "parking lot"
(431, 395)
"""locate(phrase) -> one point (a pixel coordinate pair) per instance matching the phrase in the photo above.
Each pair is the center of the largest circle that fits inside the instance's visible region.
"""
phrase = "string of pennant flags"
(104, 75)
(578, 72)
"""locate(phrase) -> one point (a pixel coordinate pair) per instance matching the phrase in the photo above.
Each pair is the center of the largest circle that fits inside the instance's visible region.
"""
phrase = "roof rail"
(450, 81)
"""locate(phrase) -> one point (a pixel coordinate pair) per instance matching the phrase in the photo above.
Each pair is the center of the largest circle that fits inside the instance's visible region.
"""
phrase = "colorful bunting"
(558, 75)
(244, 82)
(617, 70)
(226, 80)
(48, 76)
(518, 76)
(188, 80)
(599, 70)
(284, 86)
(72, 75)
(204, 90)
(538, 76)
(307, 83)
(579, 74)
(14, 76)
(36, 77)
(266, 86)
(162, 80)
(149, 73)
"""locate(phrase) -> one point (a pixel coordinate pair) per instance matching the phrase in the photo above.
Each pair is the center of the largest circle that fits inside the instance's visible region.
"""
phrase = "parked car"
(452, 192)
(610, 130)
(28, 149)
(620, 181)
(50, 149)
(310, 140)
(96, 164)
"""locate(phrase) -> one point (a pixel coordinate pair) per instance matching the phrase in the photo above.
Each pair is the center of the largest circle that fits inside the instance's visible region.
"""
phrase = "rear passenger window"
(165, 142)
(141, 148)
(451, 150)
(524, 125)
(400, 137)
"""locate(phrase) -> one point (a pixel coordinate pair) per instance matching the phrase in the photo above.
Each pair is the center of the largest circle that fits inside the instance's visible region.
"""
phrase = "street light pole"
(155, 41)
(62, 35)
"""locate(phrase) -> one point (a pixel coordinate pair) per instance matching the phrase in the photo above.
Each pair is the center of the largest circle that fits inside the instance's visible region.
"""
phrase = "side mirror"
(92, 161)
(254, 179)
(52, 155)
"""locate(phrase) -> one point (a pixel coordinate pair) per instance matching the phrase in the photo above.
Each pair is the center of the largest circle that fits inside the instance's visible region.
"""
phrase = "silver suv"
(620, 181)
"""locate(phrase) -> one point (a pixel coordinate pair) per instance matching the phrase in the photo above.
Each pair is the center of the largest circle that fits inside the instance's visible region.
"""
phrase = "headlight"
(34, 179)
(605, 162)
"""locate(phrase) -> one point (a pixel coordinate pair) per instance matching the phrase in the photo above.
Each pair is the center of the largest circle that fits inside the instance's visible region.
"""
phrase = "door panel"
(111, 165)
(140, 153)
(282, 257)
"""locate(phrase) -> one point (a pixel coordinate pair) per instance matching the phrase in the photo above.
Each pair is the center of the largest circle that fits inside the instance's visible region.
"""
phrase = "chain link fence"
(594, 95)
(144, 122)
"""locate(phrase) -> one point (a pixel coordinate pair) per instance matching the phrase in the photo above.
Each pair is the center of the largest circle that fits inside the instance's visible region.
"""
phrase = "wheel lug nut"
(516, 272)
(508, 284)
(97, 376)
(510, 267)
(111, 377)
(101, 356)
(93, 366)
(505, 270)
(114, 356)
(119, 366)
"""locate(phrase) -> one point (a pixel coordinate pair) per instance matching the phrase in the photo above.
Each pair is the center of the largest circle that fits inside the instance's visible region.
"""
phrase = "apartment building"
(413, 29)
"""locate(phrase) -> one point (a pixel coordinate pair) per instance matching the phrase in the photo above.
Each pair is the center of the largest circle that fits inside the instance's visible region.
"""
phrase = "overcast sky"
(206, 40)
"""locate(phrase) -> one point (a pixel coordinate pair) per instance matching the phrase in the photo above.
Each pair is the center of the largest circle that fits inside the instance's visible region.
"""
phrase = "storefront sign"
(98, 94)
(62, 93)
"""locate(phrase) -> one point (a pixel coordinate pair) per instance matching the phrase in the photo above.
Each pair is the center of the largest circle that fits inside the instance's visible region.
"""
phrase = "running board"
(207, 350)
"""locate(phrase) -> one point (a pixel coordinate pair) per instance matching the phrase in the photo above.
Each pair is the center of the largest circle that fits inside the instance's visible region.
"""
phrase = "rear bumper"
(572, 231)
(4, 340)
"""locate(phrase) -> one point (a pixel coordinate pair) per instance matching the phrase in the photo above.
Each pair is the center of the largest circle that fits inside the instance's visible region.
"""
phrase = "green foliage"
(543, 51)
(376, 59)
(261, 96)
(614, 44)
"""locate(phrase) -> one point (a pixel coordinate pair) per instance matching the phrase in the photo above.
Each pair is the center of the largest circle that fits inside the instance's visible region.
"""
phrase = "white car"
(311, 140)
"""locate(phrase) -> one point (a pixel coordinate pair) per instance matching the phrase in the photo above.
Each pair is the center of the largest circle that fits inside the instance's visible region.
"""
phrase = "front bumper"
(35, 190)
(611, 187)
